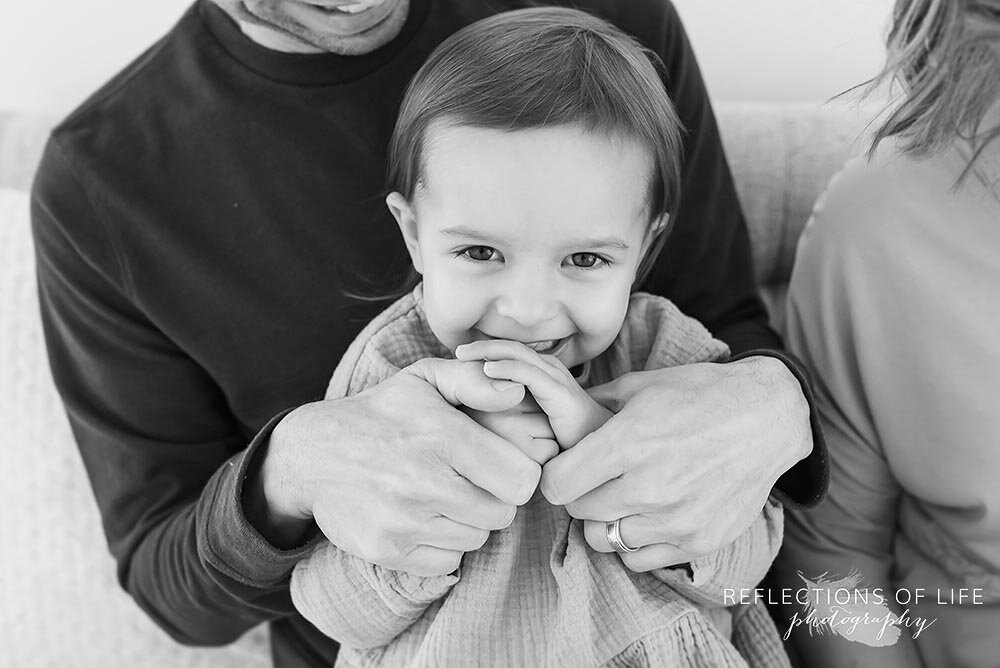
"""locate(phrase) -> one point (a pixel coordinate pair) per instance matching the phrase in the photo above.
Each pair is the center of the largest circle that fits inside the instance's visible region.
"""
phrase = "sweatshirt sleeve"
(164, 456)
(706, 266)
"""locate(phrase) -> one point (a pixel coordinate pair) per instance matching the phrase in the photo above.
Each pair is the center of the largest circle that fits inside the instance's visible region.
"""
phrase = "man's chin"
(366, 42)
(296, 22)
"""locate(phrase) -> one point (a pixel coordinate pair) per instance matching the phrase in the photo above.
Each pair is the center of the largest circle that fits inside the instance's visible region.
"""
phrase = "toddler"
(533, 164)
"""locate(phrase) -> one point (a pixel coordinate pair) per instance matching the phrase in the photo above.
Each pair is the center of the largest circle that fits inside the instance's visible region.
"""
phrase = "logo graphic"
(858, 615)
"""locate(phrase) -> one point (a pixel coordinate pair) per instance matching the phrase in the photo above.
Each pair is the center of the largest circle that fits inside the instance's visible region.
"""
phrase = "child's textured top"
(536, 594)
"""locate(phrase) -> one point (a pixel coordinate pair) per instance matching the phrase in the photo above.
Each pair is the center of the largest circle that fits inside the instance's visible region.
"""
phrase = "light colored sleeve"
(357, 603)
(833, 305)
(716, 579)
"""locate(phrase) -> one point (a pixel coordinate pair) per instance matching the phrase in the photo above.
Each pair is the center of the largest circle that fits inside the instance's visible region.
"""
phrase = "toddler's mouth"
(545, 346)
(349, 8)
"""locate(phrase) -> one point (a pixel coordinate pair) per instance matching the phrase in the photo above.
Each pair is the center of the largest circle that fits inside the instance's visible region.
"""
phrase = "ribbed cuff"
(226, 536)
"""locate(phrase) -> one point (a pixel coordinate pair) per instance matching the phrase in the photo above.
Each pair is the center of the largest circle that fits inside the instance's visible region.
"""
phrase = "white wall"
(785, 50)
(54, 52)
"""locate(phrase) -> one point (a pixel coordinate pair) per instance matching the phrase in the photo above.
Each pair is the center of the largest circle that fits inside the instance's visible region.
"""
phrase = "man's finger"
(446, 534)
(653, 557)
(584, 467)
(634, 530)
(464, 503)
(620, 497)
(494, 465)
(427, 561)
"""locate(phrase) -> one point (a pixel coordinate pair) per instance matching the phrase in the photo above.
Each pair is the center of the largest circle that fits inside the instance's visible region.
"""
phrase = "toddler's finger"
(544, 387)
(500, 349)
(541, 450)
(465, 384)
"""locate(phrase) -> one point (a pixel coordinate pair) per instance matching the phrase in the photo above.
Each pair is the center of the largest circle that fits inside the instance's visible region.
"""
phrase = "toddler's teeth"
(356, 7)
(542, 346)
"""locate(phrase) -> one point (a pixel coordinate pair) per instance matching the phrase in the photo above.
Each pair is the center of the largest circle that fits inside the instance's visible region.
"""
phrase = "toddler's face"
(531, 235)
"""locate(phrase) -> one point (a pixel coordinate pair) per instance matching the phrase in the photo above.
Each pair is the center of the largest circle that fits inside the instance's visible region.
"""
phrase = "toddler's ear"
(655, 229)
(402, 211)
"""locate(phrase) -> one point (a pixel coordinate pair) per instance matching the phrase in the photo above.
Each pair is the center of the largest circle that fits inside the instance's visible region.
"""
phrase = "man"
(204, 225)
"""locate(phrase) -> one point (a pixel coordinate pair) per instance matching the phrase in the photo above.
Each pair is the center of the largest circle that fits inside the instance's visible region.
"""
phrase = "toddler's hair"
(537, 68)
(945, 56)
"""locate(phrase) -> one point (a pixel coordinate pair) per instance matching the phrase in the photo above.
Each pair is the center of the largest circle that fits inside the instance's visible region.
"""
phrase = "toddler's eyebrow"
(600, 242)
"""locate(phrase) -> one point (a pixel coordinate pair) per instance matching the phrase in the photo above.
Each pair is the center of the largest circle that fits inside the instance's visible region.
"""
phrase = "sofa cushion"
(782, 157)
(22, 137)
(61, 602)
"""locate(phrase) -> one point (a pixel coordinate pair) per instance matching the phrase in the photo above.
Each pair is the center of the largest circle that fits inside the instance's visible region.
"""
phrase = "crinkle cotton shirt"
(536, 595)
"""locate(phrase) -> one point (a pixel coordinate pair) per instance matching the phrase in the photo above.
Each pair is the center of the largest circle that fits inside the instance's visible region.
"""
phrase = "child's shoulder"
(656, 334)
(394, 339)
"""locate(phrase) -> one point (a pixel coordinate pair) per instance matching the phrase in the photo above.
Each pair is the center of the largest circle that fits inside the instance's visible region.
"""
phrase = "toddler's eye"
(480, 253)
(585, 260)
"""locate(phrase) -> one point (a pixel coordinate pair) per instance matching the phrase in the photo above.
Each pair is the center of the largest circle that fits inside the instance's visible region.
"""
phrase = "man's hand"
(687, 462)
(525, 425)
(397, 476)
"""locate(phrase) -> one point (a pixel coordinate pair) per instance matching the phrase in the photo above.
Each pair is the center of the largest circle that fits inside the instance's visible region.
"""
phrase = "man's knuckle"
(633, 561)
(501, 516)
(550, 487)
(478, 540)
(647, 497)
(699, 545)
(451, 562)
(527, 482)
(684, 531)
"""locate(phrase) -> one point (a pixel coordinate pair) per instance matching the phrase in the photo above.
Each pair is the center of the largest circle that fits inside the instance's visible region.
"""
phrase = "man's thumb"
(616, 394)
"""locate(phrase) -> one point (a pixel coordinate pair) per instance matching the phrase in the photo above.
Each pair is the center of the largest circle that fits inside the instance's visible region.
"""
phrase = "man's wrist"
(266, 502)
(805, 483)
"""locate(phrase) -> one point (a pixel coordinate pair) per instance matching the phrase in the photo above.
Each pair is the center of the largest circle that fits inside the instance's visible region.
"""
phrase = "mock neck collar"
(306, 68)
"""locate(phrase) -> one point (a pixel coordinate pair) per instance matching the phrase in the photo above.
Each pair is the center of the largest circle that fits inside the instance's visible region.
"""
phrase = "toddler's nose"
(528, 299)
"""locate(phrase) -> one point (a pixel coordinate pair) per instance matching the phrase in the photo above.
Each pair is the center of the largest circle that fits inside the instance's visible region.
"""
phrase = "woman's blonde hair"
(945, 57)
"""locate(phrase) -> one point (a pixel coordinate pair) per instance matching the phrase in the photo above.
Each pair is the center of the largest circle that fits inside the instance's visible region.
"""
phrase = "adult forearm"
(203, 573)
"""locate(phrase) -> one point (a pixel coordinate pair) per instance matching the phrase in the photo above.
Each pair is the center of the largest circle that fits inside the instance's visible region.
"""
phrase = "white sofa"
(60, 604)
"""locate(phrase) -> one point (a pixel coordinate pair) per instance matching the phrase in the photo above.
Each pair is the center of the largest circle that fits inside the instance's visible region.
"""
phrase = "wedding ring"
(614, 532)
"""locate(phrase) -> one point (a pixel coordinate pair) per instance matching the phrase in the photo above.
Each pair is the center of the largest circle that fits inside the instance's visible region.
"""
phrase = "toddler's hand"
(571, 411)
(501, 406)
(525, 425)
